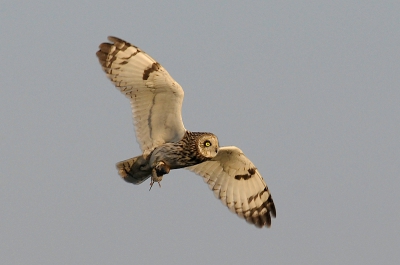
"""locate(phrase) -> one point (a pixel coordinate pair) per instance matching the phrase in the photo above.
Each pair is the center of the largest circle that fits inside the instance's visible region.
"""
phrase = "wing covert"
(156, 98)
(237, 183)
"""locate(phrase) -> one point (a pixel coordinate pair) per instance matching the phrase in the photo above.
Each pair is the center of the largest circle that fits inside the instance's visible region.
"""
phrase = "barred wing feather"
(156, 98)
(237, 183)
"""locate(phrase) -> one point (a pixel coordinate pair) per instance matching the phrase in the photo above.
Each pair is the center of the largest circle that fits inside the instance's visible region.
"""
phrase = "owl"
(156, 101)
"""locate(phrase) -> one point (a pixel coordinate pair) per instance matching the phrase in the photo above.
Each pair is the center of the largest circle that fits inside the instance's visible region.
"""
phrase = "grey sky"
(308, 90)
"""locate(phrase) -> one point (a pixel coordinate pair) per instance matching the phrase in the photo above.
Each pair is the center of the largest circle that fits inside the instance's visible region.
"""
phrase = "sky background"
(309, 90)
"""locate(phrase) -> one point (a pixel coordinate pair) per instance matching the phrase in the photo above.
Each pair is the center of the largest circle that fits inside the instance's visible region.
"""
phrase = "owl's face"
(207, 145)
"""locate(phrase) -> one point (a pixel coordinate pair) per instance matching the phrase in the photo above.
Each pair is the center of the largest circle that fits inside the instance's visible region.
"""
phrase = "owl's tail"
(134, 170)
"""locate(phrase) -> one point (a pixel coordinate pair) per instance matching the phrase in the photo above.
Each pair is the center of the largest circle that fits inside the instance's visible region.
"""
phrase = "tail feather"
(134, 170)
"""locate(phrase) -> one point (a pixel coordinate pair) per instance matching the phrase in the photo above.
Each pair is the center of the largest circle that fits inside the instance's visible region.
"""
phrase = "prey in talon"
(158, 172)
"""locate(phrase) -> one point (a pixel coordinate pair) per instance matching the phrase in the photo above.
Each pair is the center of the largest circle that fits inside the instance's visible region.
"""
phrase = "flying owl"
(156, 101)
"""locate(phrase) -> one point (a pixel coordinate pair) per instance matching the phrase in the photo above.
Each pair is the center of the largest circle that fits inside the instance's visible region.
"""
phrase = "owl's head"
(207, 145)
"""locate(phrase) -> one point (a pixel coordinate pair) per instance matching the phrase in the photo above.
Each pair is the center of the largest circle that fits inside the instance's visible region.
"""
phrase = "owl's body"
(156, 101)
(189, 151)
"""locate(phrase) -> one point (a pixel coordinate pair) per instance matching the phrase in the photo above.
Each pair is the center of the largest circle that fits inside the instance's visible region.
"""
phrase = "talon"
(157, 174)
(152, 182)
(159, 170)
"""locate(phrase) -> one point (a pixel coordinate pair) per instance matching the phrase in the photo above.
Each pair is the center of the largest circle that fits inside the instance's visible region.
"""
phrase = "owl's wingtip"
(114, 39)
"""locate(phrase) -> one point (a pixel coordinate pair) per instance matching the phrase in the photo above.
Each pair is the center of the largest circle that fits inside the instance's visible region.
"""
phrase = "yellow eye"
(207, 143)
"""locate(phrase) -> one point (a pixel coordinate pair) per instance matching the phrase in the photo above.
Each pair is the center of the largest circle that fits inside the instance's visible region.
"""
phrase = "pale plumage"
(156, 98)
(156, 101)
(238, 184)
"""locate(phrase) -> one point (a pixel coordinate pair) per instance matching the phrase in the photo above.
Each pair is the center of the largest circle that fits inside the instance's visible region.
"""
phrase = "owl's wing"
(237, 183)
(156, 98)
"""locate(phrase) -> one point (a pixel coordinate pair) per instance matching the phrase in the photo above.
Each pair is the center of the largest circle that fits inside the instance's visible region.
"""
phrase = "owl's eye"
(207, 143)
